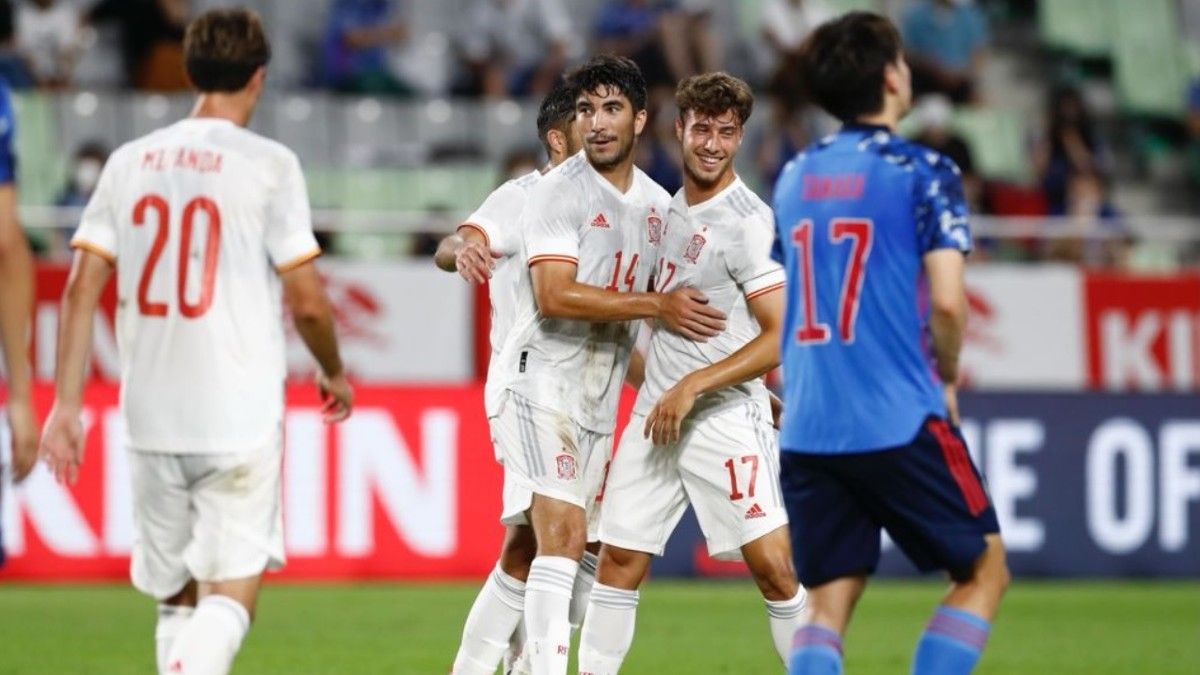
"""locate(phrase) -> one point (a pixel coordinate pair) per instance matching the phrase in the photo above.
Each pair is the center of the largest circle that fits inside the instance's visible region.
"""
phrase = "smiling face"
(709, 143)
(609, 125)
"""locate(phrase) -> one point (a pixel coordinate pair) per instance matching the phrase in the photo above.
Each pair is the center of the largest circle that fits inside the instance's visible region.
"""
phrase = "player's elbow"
(948, 309)
(551, 301)
(308, 308)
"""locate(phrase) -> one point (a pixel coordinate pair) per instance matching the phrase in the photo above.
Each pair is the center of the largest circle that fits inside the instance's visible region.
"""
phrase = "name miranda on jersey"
(201, 161)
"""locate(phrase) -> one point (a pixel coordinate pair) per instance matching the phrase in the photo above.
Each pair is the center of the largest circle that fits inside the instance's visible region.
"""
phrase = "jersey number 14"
(212, 246)
(860, 232)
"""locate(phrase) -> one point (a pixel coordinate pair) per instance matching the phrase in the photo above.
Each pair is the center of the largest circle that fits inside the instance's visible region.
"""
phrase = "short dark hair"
(608, 71)
(557, 110)
(223, 48)
(714, 93)
(843, 63)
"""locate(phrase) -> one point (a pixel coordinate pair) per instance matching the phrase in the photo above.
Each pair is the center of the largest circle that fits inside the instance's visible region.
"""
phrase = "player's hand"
(62, 443)
(22, 423)
(666, 417)
(950, 393)
(686, 312)
(474, 262)
(776, 410)
(337, 397)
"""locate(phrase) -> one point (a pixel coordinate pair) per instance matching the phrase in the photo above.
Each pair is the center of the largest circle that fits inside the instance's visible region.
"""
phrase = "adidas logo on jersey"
(755, 511)
(600, 221)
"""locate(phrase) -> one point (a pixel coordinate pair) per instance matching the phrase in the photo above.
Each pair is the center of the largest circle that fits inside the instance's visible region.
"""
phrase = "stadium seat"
(998, 142)
(302, 122)
(509, 125)
(1084, 27)
(41, 169)
(458, 188)
(86, 116)
(146, 112)
(377, 132)
(1151, 59)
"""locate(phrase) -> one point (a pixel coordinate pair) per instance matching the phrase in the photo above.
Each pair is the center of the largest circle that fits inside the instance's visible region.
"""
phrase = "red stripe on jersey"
(764, 291)
(959, 463)
(552, 258)
(486, 240)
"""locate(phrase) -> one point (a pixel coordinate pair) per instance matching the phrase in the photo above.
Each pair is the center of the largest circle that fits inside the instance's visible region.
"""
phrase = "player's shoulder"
(926, 163)
(742, 209)
(568, 175)
(653, 192)
(524, 183)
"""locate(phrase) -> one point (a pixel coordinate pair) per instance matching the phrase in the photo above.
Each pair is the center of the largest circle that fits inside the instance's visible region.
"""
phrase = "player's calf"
(561, 530)
(770, 561)
(956, 634)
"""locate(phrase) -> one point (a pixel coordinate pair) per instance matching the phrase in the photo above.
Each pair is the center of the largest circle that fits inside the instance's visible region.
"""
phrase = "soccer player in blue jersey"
(873, 232)
(16, 302)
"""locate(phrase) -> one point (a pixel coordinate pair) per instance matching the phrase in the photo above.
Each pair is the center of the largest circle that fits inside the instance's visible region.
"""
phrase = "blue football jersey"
(855, 213)
(8, 162)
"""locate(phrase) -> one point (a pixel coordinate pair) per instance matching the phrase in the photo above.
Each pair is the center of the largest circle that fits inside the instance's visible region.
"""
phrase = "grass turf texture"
(683, 627)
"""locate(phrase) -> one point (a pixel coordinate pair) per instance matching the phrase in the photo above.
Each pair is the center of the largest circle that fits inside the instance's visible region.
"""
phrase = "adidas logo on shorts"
(755, 511)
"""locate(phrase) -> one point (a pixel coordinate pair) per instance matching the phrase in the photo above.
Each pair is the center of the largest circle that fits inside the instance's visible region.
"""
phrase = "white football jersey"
(722, 247)
(575, 215)
(198, 217)
(498, 218)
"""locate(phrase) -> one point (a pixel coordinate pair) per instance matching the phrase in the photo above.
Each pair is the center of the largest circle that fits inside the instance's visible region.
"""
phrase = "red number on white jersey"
(212, 248)
(630, 273)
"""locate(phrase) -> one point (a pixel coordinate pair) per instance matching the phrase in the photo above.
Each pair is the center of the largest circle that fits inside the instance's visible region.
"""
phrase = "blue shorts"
(927, 494)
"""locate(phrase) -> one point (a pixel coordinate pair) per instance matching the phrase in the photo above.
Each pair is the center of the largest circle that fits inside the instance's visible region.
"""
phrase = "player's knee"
(564, 538)
(621, 568)
(518, 552)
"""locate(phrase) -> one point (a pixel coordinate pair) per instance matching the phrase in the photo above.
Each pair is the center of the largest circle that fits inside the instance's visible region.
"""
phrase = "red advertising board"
(1143, 332)
(407, 487)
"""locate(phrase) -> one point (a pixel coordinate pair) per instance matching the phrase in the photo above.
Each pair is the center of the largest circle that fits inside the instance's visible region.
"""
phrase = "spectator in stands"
(636, 29)
(517, 47)
(784, 26)
(1071, 147)
(81, 182)
(151, 40)
(946, 42)
(48, 39)
(1102, 239)
(12, 66)
(690, 44)
(355, 58)
(933, 117)
(658, 150)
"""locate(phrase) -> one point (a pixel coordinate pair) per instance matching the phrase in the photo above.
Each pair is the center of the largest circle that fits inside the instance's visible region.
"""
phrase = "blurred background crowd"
(1076, 122)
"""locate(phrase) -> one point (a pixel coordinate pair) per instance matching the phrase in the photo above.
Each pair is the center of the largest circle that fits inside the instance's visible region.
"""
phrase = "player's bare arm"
(62, 436)
(16, 302)
(311, 314)
(752, 360)
(635, 375)
(684, 311)
(467, 253)
(947, 318)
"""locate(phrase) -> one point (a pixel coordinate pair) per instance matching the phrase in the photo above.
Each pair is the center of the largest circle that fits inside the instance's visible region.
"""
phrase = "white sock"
(785, 617)
(211, 638)
(608, 631)
(171, 620)
(548, 613)
(516, 659)
(584, 580)
(490, 624)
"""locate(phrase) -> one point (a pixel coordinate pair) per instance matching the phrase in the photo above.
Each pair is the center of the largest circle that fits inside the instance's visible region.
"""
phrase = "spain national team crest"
(693, 250)
(566, 467)
(654, 226)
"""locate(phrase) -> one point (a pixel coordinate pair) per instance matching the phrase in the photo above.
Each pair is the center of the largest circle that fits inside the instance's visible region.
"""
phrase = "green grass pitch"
(683, 627)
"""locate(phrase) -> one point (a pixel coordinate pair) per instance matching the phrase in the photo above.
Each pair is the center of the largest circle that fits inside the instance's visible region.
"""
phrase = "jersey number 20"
(212, 246)
(860, 232)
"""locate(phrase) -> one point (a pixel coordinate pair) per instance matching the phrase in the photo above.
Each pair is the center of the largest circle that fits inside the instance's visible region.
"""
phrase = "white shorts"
(726, 465)
(545, 452)
(210, 517)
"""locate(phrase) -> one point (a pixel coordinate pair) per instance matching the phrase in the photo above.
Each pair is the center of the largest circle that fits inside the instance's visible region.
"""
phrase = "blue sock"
(951, 643)
(816, 650)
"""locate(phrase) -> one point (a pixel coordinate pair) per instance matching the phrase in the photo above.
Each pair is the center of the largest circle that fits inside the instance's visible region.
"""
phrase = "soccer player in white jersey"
(701, 427)
(202, 220)
(486, 248)
(589, 229)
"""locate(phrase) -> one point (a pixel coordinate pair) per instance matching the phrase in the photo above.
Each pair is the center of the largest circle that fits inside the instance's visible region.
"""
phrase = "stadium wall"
(1084, 484)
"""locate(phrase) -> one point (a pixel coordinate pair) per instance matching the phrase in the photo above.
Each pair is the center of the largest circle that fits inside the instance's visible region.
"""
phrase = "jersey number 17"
(860, 232)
